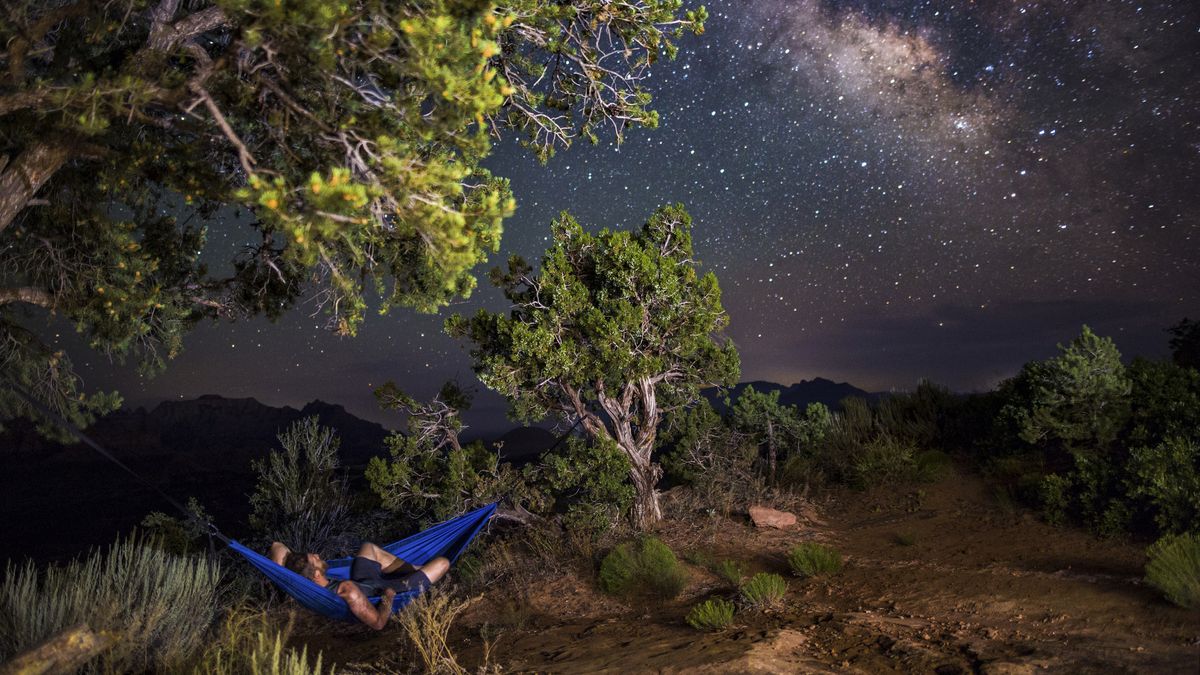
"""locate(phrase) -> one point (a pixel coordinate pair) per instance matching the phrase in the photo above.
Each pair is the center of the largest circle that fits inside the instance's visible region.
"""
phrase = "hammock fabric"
(448, 539)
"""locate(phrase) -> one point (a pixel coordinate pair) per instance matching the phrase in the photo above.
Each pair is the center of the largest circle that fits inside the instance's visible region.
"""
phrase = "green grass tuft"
(811, 559)
(1174, 569)
(763, 590)
(732, 571)
(711, 615)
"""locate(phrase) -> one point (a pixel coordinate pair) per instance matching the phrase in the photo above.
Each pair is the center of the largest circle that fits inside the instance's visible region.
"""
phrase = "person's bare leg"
(435, 569)
(388, 562)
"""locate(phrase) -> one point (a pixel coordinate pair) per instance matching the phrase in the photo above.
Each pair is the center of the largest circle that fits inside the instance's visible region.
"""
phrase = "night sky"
(886, 191)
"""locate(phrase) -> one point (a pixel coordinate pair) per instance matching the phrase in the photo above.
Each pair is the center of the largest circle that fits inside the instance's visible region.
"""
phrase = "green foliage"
(732, 571)
(1174, 569)
(763, 591)
(769, 425)
(883, 460)
(350, 134)
(178, 536)
(1078, 400)
(811, 559)
(615, 325)
(905, 539)
(717, 461)
(429, 476)
(646, 568)
(1166, 478)
(1165, 402)
(590, 480)
(161, 605)
(916, 417)
(711, 615)
(301, 497)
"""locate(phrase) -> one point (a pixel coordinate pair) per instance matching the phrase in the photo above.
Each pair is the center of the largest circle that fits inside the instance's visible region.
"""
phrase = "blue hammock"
(448, 539)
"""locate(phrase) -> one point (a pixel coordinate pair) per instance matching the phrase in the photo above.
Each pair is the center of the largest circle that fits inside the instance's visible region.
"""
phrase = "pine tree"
(350, 132)
(616, 328)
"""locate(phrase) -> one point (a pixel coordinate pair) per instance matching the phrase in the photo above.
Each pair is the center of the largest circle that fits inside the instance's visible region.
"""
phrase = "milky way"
(886, 190)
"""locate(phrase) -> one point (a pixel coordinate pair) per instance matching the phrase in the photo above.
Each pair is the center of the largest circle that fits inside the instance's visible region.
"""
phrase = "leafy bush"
(731, 571)
(589, 480)
(301, 497)
(1167, 477)
(176, 535)
(649, 569)
(882, 461)
(810, 559)
(429, 476)
(1174, 569)
(763, 590)
(162, 605)
(711, 615)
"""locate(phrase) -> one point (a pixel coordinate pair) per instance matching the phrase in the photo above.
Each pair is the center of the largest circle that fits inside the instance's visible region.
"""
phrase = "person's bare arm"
(279, 552)
(376, 617)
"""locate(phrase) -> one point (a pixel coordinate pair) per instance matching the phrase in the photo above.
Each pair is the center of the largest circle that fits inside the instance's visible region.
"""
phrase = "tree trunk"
(770, 452)
(26, 174)
(62, 653)
(646, 511)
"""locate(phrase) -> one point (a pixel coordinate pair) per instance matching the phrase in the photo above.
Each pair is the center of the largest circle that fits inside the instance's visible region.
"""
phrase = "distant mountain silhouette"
(800, 394)
(60, 499)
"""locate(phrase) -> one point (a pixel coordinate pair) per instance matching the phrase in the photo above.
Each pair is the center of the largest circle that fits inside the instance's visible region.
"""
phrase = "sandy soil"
(938, 579)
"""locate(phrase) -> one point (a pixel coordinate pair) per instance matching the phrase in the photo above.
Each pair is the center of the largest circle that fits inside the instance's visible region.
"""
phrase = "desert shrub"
(429, 475)
(883, 460)
(904, 539)
(177, 535)
(161, 605)
(711, 615)
(301, 497)
(247, 643)
(810, 559)
(588, 481)
(732, 571)
(916, 417)
(1174, 569)
(645, 568)
(763, 590)
(1167, 478)
(930, 466)
(426, 623)
(714, 459)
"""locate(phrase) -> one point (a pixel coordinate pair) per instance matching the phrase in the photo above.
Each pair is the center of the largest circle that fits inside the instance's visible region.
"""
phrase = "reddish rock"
(766, 517)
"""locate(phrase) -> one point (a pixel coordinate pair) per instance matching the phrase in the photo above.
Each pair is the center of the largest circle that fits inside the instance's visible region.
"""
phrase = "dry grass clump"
(426, 623)
(1174, 569)
(248, 643)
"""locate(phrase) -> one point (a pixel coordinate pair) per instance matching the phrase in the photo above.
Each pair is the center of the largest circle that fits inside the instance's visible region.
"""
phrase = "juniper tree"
(615, 329)
(351, 132)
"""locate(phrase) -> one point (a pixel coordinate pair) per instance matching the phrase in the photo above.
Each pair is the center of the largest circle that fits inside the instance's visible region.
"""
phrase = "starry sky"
(886, 190)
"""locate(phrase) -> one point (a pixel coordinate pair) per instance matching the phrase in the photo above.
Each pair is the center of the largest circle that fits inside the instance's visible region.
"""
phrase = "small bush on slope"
(647, 569)
(1174, 569)
(811, 559)
(764, 590)
(711, 615)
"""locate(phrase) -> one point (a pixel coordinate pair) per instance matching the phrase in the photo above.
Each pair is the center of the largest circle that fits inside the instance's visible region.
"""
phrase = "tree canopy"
(351, 132)
(615, 329)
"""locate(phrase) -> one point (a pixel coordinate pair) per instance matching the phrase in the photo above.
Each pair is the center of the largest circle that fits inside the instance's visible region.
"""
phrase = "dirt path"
(936, 580)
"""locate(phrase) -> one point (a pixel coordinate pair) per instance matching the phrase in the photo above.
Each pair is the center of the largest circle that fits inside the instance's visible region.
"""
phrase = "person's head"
(307, 565)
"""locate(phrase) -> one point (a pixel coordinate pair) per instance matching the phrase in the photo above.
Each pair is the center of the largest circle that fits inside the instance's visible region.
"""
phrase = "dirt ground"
(939, 578)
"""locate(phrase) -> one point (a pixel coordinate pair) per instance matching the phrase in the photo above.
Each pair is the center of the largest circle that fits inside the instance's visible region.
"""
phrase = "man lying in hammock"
(373, 571)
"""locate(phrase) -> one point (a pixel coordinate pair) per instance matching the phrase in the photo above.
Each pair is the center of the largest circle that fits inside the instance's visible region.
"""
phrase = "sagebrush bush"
(301, 496)
(1174, 569)
(763, 590)
(646, 568)
(162, 605)
(711, 615)
(811, 559)
(884, 460)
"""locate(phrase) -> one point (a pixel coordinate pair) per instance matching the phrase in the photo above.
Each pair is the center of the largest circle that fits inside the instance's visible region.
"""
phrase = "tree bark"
(63, 653)
(25, 175)
(646, 511)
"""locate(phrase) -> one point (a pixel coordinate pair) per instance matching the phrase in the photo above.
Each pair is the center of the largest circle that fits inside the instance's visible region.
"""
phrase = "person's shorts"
(369, 575)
